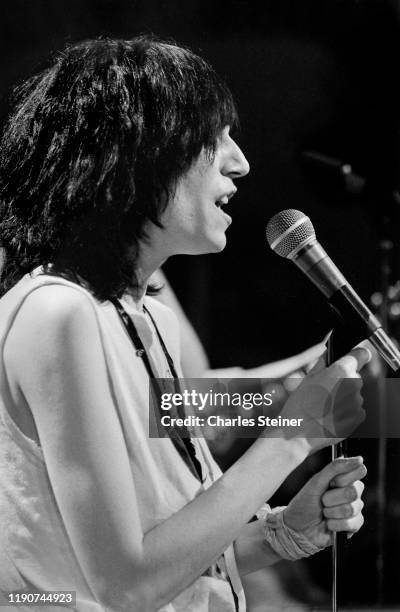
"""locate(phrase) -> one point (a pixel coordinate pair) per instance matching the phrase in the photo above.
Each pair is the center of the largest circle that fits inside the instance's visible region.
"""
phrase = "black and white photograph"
(200, 306)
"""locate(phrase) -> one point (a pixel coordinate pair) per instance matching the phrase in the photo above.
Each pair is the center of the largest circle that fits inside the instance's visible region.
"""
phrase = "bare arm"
(55, 360)
(194, 359)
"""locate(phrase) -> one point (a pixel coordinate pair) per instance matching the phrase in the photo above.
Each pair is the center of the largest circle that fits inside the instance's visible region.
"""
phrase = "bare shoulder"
(54, 321)
(55, 304)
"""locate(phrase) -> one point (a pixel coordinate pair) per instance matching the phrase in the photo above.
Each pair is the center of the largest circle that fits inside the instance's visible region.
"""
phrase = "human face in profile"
(194, 221)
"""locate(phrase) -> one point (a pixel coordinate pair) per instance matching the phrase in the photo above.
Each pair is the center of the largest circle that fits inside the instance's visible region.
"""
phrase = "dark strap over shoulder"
(183, 445)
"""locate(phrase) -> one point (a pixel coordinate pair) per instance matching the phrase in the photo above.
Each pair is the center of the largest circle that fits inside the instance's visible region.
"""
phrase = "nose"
(235, 164)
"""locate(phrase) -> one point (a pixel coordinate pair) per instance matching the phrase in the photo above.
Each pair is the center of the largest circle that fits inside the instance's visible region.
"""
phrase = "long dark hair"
(92, 153)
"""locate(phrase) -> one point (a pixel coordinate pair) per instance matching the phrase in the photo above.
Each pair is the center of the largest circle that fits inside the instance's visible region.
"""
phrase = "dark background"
(315, 74)
(312, 74)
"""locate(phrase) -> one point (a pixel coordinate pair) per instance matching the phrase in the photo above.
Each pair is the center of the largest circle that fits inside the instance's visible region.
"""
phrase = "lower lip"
(227, 217)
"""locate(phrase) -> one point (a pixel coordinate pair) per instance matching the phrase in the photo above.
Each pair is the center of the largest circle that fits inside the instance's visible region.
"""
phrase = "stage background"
(317, 75)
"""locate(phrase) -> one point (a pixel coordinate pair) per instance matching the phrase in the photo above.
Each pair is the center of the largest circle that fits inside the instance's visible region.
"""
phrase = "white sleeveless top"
(35, 551)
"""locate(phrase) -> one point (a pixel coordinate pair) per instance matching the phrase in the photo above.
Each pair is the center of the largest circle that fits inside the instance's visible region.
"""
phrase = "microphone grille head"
(287, 230)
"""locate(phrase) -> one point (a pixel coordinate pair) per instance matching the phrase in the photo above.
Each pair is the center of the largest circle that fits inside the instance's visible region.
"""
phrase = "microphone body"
(299, 243)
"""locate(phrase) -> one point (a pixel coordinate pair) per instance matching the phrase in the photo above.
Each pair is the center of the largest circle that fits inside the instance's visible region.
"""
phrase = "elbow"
(140, 596)
(137, 585)
(136, 600)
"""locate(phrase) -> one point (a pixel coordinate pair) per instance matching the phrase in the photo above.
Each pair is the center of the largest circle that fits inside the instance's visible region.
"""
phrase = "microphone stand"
(338, 450)
(345, 335)
(386, 248)
(347, 332)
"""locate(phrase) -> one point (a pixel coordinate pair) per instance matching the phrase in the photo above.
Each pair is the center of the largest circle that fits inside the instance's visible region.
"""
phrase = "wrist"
(297, 448)
(287, 542)
(302, 446)
(294, 450)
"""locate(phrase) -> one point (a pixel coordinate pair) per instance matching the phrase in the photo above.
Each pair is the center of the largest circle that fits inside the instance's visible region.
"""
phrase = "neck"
(148, 263)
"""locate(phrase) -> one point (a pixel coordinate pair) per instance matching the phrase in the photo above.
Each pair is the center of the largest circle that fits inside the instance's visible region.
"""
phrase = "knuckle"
(361, 486)
(355, 508)
(339, 482)
(326, 512)
(350, 510)
(351, 493)
(344, 367)
(325, 499)
(355, 525)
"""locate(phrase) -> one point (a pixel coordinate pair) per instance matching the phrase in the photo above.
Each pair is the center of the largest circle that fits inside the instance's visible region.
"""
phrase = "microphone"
(291, 234)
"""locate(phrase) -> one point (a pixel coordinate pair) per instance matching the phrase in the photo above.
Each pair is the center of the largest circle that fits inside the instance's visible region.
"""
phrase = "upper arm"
(54, 354)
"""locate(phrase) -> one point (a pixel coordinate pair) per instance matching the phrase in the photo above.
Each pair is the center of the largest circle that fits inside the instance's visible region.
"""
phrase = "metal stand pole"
(386, 247)
(338, 450)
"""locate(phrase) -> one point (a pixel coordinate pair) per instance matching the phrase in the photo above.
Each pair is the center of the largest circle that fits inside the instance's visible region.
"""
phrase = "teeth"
(222, 201)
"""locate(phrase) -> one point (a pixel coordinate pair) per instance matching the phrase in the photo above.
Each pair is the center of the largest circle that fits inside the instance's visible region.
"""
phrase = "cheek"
(190, 214)
(181, 222)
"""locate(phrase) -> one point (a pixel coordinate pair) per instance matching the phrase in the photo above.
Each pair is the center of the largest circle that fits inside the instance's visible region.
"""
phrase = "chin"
(216, 246)
(206, 246)
(220, 247)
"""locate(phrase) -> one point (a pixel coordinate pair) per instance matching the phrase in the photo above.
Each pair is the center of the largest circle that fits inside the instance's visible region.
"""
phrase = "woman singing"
(116, 157)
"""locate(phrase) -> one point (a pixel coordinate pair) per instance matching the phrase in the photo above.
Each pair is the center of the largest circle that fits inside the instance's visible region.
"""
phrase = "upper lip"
(224, 199)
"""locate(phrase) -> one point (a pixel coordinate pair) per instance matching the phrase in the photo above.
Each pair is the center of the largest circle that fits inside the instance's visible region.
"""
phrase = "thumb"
(355, 359)
(342, 465)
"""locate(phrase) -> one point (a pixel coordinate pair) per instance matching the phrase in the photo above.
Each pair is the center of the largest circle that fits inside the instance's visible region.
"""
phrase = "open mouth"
(224, 200)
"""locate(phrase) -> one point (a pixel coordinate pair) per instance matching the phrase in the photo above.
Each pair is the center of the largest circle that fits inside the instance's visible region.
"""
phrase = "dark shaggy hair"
(93, 152)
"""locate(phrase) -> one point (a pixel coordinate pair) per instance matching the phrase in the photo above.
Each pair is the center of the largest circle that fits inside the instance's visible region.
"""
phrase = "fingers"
(355, 360)
(292, 365)
(307, 358)
(310, 356)
(330, 400)
(350, 525)
(350, 477)
(291, 384)
(343, 495)
(347, 470)
(342, 507)
(362, 353)
(344, 511)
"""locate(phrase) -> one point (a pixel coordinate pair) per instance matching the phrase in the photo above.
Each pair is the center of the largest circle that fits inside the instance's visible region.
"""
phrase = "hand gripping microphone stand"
(342, 339)
(290, 234)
